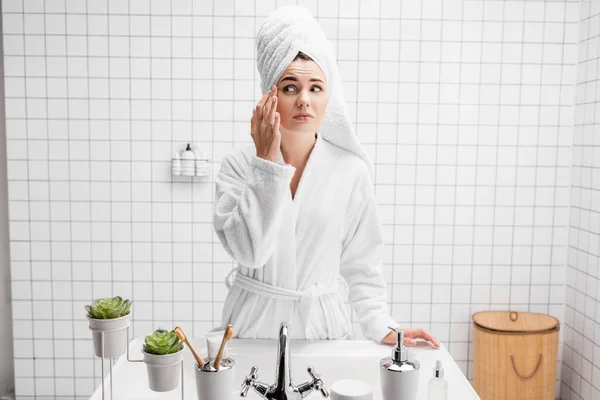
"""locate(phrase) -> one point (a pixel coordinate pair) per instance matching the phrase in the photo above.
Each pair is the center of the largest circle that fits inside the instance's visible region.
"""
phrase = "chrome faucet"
(283, 389)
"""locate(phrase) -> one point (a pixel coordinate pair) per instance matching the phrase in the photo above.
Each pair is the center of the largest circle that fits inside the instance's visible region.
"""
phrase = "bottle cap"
(438, 370)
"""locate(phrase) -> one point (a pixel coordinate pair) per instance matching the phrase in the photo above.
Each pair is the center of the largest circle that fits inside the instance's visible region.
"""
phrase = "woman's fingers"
(421, 334)
(430, 338)
(276, 123)
(261, 107)
(410, 337)
(271, 116)
(257, 112)
(268, 106)
(261, 104)
(253, 122)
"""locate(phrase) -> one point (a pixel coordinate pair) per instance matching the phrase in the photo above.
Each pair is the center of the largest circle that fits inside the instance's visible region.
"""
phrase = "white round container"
(351, 389)
(216, 385)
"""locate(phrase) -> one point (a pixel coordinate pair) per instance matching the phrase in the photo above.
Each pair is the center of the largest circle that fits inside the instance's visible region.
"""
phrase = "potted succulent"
(109, 318)
(163, 355)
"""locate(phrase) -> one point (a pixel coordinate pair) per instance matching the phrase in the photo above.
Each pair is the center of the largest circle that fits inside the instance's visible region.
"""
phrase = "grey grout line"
(355, 123)
(453, 243)
(492, 263)
(560, 90)
(71, 277)
(360, 123)
(194, 333)
(173, 184)
(152, 264)
(110, 173)
(579, 270)
(131, 202)
(392, 308)
(516, 176)
(355, 103)
(537, 154)
(89, 123)
(50, 252)
(435, 193)
(412, 269)
(389, 285)
(212, 248)
(33, 352)
(473, 266)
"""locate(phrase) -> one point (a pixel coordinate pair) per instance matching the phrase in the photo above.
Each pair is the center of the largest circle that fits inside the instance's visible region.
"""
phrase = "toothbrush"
(226, 337)
(181, 335)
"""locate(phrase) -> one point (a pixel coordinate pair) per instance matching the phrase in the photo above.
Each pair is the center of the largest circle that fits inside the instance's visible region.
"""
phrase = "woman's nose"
(303, 99)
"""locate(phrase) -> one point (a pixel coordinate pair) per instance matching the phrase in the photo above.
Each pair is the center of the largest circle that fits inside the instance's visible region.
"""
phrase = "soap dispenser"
(399, 374)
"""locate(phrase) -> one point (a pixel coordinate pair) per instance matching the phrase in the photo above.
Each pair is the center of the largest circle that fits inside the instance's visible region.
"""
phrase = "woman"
(297, 210)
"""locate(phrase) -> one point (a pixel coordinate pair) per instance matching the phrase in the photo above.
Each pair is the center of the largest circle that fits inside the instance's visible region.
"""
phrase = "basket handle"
(537, 367)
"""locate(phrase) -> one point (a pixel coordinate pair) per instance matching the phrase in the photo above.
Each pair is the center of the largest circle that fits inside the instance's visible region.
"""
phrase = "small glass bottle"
(438, 387)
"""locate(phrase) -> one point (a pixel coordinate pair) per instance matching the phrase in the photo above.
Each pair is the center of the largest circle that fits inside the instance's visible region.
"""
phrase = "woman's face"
(302, 90)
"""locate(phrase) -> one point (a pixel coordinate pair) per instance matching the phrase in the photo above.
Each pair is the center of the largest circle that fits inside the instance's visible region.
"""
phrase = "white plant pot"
(163, 370)
(115, 335)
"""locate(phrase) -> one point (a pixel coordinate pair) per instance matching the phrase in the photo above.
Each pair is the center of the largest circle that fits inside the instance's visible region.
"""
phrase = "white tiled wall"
(466, 107)
(581, 367)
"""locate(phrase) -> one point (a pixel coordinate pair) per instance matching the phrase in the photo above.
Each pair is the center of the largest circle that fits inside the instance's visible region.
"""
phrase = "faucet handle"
(248, 381)
(317, 383)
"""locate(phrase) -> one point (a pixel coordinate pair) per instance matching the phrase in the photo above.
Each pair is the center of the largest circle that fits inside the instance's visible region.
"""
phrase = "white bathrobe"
(296, 255)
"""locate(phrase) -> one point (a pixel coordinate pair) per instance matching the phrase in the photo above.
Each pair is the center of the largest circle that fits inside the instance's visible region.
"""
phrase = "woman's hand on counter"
(410, 337)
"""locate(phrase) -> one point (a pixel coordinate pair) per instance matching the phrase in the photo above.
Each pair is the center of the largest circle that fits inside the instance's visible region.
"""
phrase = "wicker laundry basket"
(515, 355)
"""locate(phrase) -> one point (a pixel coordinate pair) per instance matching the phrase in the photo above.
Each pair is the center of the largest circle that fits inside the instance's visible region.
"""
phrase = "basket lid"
(513, 321)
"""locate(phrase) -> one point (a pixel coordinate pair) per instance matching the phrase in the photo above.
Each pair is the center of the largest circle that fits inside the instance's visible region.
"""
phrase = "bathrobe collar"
(307, 179)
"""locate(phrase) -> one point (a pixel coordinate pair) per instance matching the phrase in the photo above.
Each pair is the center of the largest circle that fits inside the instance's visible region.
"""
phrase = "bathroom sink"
(333, 360)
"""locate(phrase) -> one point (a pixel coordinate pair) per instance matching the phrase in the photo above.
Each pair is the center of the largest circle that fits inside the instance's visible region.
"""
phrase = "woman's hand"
(410, 337)
(264, 126)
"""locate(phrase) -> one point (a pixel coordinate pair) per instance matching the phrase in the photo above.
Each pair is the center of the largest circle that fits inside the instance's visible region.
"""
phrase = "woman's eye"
(293, 87)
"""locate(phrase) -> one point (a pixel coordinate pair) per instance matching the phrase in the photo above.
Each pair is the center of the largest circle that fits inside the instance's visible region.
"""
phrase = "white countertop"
(332, 360)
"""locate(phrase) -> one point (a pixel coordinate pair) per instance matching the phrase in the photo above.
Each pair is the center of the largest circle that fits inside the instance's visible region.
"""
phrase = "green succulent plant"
(162, 342)
(109, 308)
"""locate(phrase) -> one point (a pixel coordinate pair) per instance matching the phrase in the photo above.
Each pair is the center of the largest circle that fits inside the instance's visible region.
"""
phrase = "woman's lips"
(303, 117)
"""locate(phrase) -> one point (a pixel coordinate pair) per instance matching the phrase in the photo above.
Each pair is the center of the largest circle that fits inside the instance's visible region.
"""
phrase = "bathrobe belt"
(306, 298)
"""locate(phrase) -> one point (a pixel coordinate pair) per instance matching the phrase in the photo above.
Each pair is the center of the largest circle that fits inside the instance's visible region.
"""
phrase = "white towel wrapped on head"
(292, 29)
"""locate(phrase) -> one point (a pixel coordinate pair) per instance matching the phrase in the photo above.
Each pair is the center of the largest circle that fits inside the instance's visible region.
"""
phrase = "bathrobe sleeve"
(249, 202)
(361, 262)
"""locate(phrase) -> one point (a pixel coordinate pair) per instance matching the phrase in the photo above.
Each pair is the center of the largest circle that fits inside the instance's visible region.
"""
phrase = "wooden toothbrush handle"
(199, 359)
(217, 362)
(226, 337)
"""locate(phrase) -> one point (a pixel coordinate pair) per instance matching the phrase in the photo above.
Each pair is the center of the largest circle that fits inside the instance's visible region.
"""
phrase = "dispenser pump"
(400, 353)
